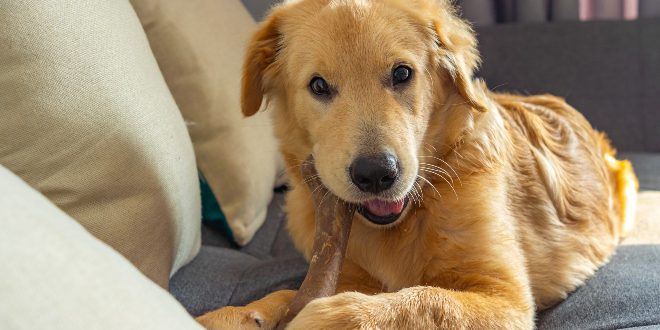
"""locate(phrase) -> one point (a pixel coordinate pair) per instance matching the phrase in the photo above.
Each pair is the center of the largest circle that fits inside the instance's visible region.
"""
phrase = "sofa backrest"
(609, 70)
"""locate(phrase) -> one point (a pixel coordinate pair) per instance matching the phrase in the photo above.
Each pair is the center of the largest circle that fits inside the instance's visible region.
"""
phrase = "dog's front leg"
(420, 307)
(262, 314)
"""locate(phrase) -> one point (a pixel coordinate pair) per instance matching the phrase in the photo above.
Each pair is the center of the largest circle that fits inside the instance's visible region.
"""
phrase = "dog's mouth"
(382, 212)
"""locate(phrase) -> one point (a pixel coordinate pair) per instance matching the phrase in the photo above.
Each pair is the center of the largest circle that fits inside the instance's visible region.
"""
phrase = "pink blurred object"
(608, 9)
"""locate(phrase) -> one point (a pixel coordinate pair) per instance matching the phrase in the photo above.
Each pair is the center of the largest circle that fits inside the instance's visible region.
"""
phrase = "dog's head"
(356, 84)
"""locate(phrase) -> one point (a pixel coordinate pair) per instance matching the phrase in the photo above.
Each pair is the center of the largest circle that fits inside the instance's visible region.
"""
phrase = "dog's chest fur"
(395, 257)
(435, 242)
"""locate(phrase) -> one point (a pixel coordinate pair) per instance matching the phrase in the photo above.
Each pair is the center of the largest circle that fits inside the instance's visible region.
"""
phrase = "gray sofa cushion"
(625, 293)
(225, 274)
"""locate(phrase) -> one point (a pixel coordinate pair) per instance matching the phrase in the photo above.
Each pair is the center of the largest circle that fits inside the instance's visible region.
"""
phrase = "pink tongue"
(383, 208)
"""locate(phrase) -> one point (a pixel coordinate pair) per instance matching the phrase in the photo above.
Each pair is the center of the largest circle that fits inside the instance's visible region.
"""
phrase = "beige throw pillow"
(199, 45)
(86, 119)
(55, 275)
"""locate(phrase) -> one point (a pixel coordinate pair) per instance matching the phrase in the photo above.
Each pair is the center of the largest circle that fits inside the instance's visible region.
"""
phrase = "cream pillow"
(55, 275)
(199, 45)
(86, 119)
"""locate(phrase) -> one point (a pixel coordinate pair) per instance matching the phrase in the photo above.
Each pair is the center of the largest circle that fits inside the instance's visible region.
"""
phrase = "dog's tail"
(625, 191)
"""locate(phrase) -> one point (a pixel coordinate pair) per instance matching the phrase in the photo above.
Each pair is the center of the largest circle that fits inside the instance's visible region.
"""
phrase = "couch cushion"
(227, 277)
(199, 46)
(88, 121)
(624, 293)
(226, 274)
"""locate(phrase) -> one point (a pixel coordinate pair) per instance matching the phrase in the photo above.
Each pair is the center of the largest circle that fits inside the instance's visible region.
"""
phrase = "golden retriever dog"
(476, 209)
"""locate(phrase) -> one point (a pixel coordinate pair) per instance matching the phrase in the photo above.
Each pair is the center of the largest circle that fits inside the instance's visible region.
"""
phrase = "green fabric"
(212, 214)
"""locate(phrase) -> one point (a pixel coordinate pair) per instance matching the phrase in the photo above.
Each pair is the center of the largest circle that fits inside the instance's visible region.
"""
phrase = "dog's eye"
(401, 74)
(319, 86)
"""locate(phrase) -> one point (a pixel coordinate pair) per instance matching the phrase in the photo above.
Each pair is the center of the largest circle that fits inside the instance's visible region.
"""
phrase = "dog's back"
(571, 191)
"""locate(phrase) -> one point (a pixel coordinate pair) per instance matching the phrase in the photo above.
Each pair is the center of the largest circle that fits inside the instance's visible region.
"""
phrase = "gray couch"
(608, 70)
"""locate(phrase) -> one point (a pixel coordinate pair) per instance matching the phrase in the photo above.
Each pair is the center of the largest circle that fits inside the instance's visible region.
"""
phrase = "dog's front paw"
(262, 314)
(348, 310)
(239, 318)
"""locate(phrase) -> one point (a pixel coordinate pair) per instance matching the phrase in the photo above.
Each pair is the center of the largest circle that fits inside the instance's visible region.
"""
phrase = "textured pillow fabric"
(199, 45)
(86, 119)
(55, 275)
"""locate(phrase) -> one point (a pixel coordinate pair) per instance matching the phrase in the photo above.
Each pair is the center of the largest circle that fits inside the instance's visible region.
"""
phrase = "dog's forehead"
(352, 3)
(354, 34)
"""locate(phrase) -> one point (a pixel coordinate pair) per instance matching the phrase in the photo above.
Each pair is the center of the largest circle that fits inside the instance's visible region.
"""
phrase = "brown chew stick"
(333, 226)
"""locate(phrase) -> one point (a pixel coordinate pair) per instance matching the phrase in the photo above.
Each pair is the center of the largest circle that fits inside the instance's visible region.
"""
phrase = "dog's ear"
(456, 46)
(259, 63)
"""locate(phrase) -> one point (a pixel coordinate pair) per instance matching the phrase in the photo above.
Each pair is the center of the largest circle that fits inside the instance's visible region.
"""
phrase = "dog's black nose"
(374, 173)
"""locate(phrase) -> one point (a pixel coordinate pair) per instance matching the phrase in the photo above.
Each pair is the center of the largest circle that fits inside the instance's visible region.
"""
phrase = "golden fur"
(515, 200)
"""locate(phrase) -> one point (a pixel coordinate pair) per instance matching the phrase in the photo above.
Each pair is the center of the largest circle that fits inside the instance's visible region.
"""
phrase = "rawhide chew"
(333, 225)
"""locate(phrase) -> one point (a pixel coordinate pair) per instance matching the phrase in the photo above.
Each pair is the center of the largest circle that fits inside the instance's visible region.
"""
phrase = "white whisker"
(448, 165)
(432, 186)
(443, 178)
(438, 168)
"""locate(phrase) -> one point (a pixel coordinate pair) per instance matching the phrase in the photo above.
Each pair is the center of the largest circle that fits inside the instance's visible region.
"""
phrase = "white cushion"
(55, 275)
(87, 120)
(199, 45)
